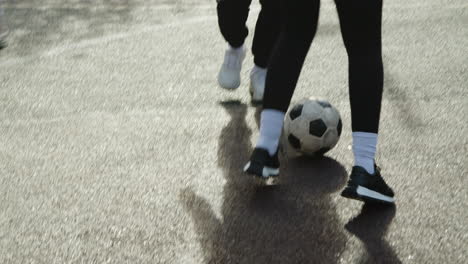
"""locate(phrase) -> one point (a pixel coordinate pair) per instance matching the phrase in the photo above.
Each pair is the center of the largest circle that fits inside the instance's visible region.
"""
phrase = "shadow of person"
(295, 222)
(370, 226)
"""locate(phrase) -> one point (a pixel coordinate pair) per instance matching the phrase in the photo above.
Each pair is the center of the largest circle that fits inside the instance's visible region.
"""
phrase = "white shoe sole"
(230, 86)
(363, 191)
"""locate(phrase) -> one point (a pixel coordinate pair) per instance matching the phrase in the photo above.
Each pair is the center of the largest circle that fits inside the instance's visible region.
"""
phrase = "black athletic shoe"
(368, 188)
(262, 165)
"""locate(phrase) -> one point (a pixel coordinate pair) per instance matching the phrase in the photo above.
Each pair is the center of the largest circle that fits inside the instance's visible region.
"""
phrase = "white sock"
(271, 125)
(364, 148)
(238, 49)
(259, 69)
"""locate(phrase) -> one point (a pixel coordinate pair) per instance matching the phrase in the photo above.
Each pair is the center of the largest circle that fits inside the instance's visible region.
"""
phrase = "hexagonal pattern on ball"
(317, 128)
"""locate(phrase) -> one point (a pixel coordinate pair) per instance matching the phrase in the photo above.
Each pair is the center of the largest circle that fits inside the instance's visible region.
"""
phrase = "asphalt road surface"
(117, 145)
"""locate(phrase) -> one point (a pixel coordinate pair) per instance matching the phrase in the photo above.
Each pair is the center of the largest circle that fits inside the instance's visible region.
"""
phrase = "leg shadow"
(295, 222)
(370, 226)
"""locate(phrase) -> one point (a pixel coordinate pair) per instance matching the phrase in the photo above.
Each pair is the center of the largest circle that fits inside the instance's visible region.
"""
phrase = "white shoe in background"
(229, 75)
(257, 84)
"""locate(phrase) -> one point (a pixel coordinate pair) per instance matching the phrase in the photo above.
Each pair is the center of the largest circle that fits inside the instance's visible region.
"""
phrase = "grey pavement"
(117, 146)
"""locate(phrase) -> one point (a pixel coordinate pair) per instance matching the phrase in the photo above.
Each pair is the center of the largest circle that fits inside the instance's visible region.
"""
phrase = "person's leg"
(287, 59)
(360, 22)
(361, 30)
(232, 16)
(300, 24)
(267, 30)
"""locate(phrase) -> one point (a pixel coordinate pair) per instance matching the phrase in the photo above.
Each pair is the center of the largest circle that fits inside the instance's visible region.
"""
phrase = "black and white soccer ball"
(311, 127)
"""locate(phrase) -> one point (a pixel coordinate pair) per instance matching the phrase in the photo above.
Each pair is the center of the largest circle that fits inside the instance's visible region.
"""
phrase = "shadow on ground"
(371, 226)
(294, 222)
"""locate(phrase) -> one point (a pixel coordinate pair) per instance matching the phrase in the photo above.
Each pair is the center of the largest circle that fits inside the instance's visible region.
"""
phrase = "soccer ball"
(311, 127)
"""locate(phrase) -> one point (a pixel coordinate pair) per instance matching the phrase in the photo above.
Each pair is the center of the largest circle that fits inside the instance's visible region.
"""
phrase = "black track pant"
(360, 22)
(232, 16)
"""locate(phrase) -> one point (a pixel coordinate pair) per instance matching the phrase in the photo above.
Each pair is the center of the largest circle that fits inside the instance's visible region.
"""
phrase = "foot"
(368, 188)
(257, 84)
(262, 165)
(229, 75)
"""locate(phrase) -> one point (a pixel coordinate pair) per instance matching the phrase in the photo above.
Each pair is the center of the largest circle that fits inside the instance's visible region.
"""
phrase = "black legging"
(232, 16)
(360, 22)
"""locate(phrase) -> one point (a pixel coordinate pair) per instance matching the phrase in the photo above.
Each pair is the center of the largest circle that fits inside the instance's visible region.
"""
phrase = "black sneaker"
(368, 188)
(262, 165)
